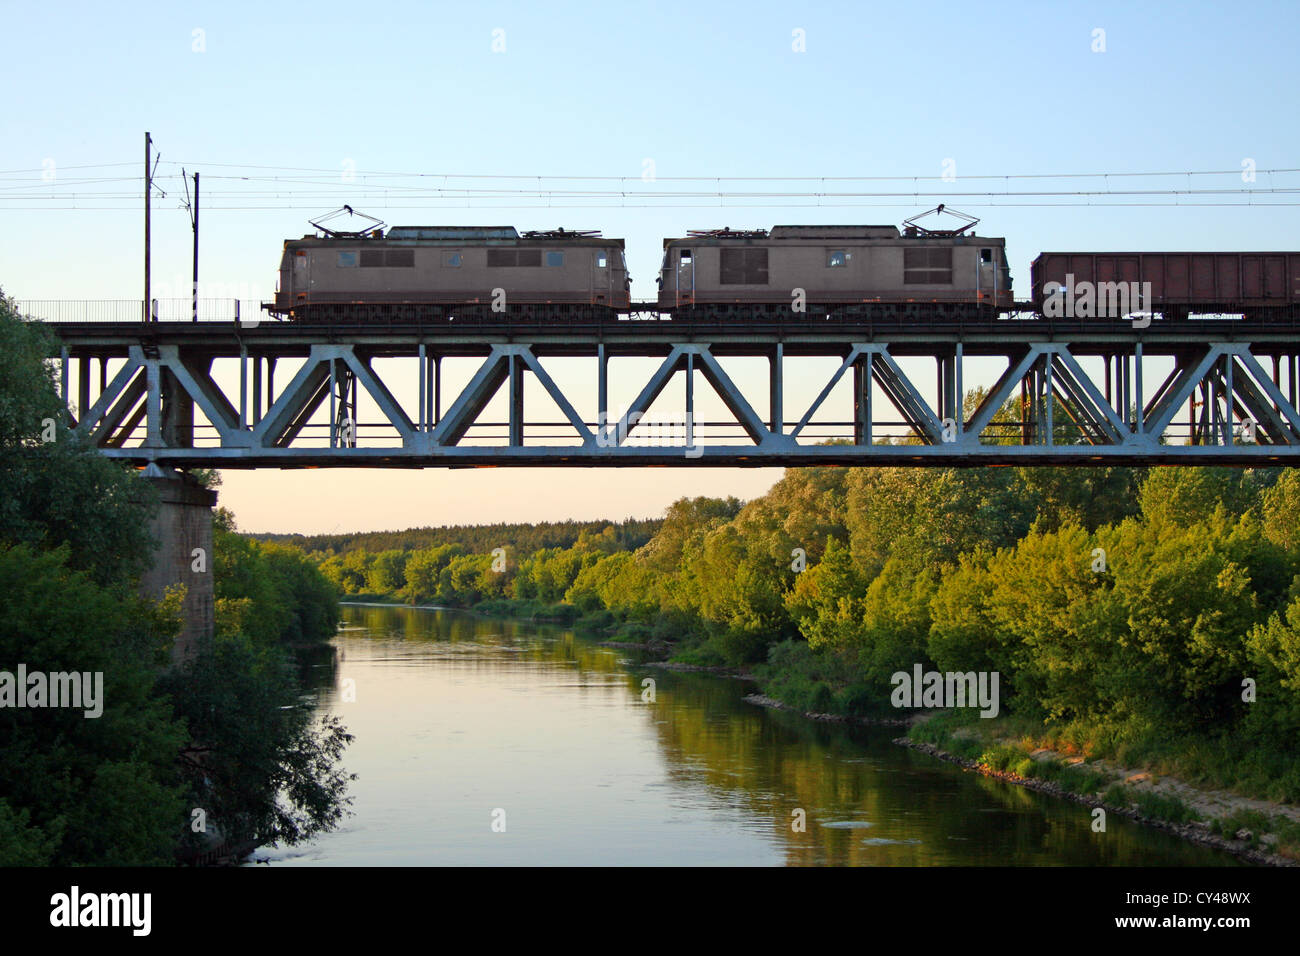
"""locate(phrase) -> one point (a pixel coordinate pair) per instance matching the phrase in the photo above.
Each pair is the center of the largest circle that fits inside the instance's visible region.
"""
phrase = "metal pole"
(960, 398)
(1139, 404)
(1047, 398)
(424, 390)
(257, 387)
(777, 390)
(147, 189)
(602, 387)
(1230, 438)
(196, 247)
(868, 374)
(334, 411)
(690, 399)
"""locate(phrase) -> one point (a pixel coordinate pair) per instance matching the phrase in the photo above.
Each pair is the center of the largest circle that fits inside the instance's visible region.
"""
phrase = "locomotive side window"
(986, 255)
(392, 258)
(743, 265)
(508, 258)
(452, 260)
(601, 260)
(836, 258)
(927, 266)
(348, 260)
(555, 259)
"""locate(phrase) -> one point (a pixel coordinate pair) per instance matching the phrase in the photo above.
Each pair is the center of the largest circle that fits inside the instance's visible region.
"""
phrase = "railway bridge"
(238, 390)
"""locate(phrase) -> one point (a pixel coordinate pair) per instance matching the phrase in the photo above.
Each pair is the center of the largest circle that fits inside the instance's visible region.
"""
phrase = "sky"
(300, 107)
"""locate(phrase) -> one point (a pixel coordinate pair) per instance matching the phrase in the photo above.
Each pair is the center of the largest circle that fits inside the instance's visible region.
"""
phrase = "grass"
(1257, 824)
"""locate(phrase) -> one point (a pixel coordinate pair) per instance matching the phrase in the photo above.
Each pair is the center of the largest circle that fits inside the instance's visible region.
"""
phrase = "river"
(486, 742)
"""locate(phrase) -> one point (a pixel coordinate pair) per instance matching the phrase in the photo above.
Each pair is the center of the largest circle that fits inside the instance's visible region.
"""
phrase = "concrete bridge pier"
(182, 529)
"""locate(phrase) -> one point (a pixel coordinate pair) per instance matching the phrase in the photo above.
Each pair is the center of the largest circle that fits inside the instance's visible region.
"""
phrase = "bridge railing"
(132, 310)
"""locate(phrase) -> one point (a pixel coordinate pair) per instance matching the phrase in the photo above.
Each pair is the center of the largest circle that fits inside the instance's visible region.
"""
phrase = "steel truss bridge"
(1085, 391)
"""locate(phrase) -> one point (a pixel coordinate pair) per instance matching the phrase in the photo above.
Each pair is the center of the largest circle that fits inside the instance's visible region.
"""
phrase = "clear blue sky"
(702, 89)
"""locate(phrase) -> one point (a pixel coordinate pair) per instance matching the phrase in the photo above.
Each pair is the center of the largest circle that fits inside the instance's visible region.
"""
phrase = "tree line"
(630, 533)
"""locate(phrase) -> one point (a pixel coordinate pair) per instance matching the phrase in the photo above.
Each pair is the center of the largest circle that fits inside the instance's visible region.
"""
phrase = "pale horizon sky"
(574, 89)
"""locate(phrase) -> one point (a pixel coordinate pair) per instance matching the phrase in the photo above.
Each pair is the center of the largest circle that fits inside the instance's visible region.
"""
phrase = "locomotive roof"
(472, 234)
(452, 232)
(793, 232)
(835, 232)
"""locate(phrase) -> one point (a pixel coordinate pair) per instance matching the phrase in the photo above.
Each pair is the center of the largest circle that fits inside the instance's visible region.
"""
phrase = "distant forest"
(627, 535)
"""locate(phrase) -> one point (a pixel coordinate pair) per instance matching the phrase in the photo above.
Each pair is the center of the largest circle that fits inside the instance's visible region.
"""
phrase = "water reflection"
(456, 716)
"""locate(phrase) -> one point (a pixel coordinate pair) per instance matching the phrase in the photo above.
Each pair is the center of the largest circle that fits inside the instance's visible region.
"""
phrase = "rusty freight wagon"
(868, 271)
(1256, 284)
(418, 273)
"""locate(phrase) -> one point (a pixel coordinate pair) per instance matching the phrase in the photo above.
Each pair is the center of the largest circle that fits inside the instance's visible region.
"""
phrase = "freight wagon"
(1181, 282)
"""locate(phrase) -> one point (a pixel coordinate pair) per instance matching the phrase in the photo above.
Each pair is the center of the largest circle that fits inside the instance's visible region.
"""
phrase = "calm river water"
(463, 723)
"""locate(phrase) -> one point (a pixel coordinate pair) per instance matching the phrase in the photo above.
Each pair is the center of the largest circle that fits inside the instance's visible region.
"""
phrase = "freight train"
(920, 274)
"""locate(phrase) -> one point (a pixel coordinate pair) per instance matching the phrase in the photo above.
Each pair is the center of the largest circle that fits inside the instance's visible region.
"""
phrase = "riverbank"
(762, 700)
(1245, 844)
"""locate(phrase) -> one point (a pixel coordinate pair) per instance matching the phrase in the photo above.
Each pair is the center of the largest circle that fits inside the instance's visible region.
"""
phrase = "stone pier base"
(183, 531)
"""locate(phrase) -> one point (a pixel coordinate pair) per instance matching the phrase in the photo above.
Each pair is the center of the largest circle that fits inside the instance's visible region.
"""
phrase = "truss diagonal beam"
(849, 359)
(285, 419)
(999, 393)
(565, 406)
(110, 394)
(371, 382)
(735, 401)
(471, 402)
(915, 410)
(636, 411)
(1180, 391)
(1099, 410)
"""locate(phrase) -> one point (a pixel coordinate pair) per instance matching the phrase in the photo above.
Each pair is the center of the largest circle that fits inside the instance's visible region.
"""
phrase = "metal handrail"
(132, 310)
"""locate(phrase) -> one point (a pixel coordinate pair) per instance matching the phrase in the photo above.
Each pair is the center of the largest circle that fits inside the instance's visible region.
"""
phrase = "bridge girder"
(1237, 413)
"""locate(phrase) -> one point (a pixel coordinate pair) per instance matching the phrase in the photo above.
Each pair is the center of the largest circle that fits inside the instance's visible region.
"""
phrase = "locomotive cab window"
(986, 255)
(348, 260)
(601, 260)
(555, 259)
(836, 258)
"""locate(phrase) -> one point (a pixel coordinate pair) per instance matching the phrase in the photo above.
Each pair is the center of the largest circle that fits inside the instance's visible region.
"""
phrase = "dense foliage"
(229, 734)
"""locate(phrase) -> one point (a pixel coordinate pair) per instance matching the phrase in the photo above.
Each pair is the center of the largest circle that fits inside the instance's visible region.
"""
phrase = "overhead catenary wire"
(508, 191)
